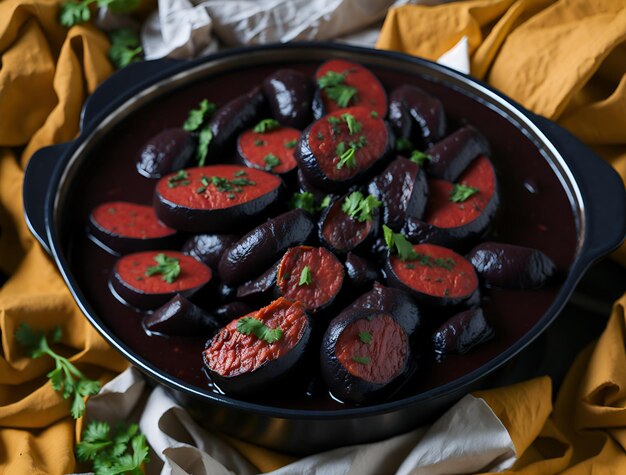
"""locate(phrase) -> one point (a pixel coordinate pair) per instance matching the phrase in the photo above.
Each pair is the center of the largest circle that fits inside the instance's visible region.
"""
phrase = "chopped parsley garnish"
(334, 124)
(365, 337)
(320, 136)
(291, 144)
(304, 200)
(354, 126)
(123, 451)
(346, 159)
(461, 193)
(259, 142)
(403, 145)
(225, 185)
(406, 252)
(305, 276)
(204, 139)
(196, 117)
(125, 47)
(254, 326)
(271, 161)
(419, 157)
(180, 179)
(325, 202)
(361, 359)
(65, 376)
(168, 267)
(266, 125)
(360, 207)
(374, 114)
(333, 83)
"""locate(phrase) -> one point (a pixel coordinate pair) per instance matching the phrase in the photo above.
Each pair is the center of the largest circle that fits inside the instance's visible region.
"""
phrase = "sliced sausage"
(462, 332)
(180, 317)
(289, 94)
(169, 150)
(359, 271)
(208, 248)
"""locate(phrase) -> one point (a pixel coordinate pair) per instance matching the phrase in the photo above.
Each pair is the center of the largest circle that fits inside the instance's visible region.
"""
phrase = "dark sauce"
(542, 218)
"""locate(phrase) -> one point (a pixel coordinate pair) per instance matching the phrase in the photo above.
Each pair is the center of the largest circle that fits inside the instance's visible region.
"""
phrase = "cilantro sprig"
(366, 337)
(461, 193)
(420, 157)
(65, 376)
(122, 452)
(168, 267)
(403, 145)
(346, 156)
(333, 83)
(354, 126)
(361, 359)
(125, 47)
(254, 326)
(406, 252)
(73, 13)
(306, 201)
(266, 125)
(180, 179)
(271, 161)
(360, 207)
(198, 116)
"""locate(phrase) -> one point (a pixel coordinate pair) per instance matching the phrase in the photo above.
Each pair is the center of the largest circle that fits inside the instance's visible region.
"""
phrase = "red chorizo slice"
(343, 146)
(121, 227)
(311, 275)
(256, 351)
(215, 199)
(435, 275)
(365, 353)
(147, 280)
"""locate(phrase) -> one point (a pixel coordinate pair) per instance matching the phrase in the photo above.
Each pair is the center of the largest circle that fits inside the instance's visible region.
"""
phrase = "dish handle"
(35, 189)
(603, 191)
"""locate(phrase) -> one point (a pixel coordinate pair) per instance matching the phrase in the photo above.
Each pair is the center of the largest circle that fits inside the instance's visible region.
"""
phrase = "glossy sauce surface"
(542, 219)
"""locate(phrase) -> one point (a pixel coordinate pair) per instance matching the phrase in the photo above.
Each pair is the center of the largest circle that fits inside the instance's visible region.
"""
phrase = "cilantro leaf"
(168, 267)
(271, 161)
(331, 78)
(402, 246)
(125, 47)
(359, 207)
(326, 202)
(354, 126)
(204, 140)
(180, 179)
(366, 337)
(196, 117)
(403, 145)
(461, 193)
(346, 159)
(250, 325)
(306, 278)
(304, 200)
(74, 13)
(333, 83)
(361, 359)
(65, 377)
(419, 157)
(120, 6)
(266, 125)
(291, 144)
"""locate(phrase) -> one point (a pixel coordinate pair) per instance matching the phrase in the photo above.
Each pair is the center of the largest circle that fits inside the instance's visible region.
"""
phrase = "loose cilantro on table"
(65, 376)
(168, 267)
(254, 326)
(461, 193)
(125, 47)
(360, 207)
(124, 451)
(73, 13)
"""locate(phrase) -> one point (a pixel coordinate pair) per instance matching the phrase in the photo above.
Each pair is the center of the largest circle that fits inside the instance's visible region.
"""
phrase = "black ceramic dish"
(577, 216)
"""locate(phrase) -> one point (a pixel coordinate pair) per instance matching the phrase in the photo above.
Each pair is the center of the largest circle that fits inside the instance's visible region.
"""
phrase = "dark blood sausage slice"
(261, 288)
(225, 313)
(369, 92)
(512, 267)
(167, 151)
(364, 354)
(451, 156)
(271, 151)
(461, 332)
(124, 227)
(305, 186)
(395, 302)
(245, 364)
(458, 225)
(133, 286)
(360, 271)
(191, 201)
(208, 248)
(317, 151)
(234, 117)
(260, 248)
(180, 317)
(289, 94)
(439, 277)
(416, 115)
(326, 276)
(341, 233)
(403, 190)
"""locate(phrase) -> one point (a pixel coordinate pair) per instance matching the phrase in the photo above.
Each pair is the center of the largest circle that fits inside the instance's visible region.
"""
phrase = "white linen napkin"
(467, 438)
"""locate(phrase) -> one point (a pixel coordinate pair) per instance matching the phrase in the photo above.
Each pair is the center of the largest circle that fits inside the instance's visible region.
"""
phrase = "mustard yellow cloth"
(562, 59)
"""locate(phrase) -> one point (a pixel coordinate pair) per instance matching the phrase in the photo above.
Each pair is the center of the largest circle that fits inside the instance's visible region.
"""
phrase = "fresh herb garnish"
(334, 123)
(333, 84)
(305, 276)
(291, 144)
(346, 159)
(204, 139)
(266, 125)
(354, 126)
(304, 200)
(360, 207)
(320, 136)
(196, 117)
(240, 173)
(65, 376)
(122, 452)
(180, 179)
(406, 252)
(168, 267)
(361, 359)
(365, 337)
(271, 161)
(125, 47)
(73, 13)
(374, 115)
(403, 145)
(419, 157)
(224, 184)
(461, 193)
(325, 202)
(259, 142)
(250, 325)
